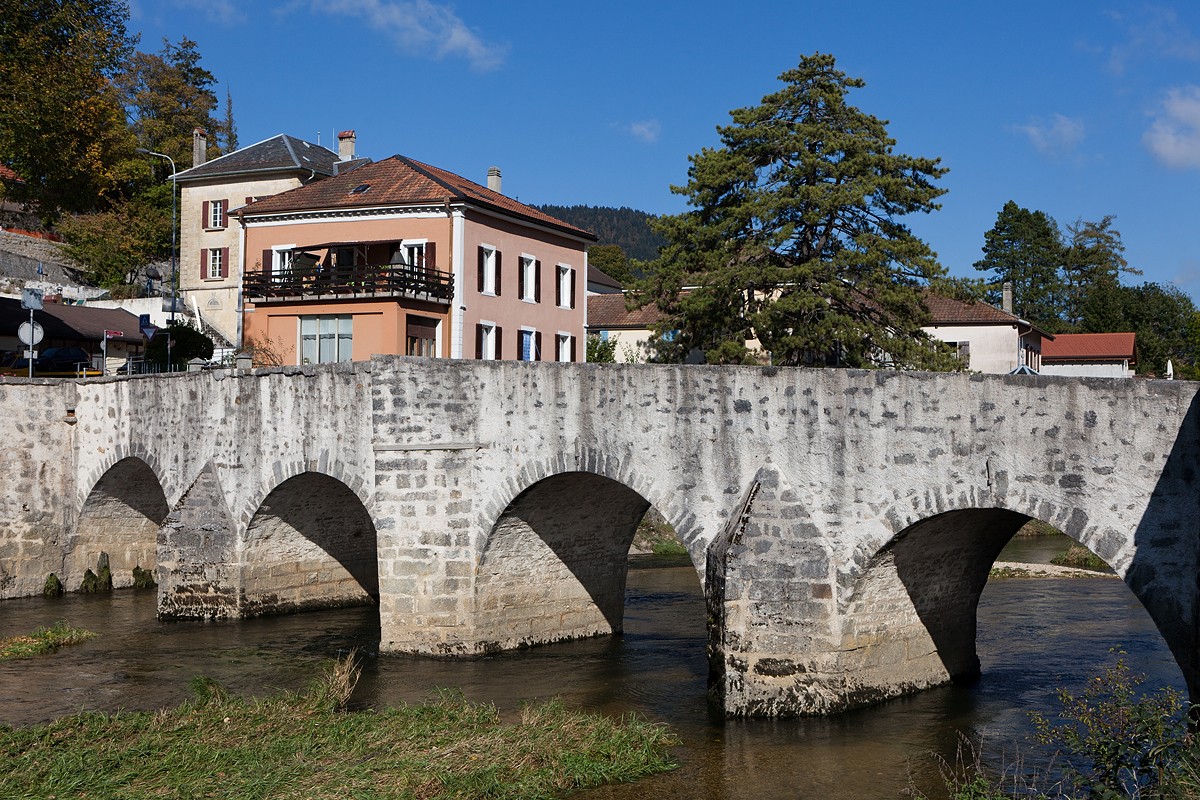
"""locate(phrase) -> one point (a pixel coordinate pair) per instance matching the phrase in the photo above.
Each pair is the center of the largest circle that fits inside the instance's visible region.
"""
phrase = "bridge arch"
(553, 565)
(311, 543)
(119, 517)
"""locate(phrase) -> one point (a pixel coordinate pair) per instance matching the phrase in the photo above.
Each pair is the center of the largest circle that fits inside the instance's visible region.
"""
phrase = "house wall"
(217, 299)
(378, 326)
(1092, 369)
(993, 347)
(630, 341)
(457, 238)
(508, 310)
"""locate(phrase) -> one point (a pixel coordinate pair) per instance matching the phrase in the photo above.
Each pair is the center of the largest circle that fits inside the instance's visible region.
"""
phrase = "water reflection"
(1034, 635)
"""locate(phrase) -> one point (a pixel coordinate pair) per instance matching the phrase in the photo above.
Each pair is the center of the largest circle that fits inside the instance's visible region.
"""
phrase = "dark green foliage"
(1025, 248)
(1094, 260)
(625, 227)
(53, 586)
(611, 260)
(1080, 557)
(115, 244)
(186, 343)
(795, 238)
(600, 351)
(1163, 317)
(61, 124)
(1114, 739)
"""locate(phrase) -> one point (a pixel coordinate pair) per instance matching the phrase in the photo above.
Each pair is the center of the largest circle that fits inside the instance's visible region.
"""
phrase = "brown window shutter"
(482, 260)
(571, 289)
(537, 281)
(573, 353)
(249, 200)
(499, 336)
(558, 285)
(204, 218)
(537, 345)
(203, 263)
(499, 283)
(430, 255)
(226, 271)
(224, 213)
(478, 340)
(268, 260)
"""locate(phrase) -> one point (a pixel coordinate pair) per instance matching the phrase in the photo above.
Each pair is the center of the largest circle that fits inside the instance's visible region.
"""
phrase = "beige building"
(988, 339)
(210, 251)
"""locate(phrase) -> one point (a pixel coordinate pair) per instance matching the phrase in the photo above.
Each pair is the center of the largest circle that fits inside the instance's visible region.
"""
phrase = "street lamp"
(174, 269)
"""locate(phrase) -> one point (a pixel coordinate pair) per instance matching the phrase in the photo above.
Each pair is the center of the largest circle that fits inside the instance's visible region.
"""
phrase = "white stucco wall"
(993, 347)
(1094, 369)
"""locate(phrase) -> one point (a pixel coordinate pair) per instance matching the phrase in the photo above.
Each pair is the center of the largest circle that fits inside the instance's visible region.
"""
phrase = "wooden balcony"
(360, 281)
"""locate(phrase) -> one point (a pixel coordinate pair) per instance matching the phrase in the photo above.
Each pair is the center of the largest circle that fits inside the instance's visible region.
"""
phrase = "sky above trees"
(1078, 110)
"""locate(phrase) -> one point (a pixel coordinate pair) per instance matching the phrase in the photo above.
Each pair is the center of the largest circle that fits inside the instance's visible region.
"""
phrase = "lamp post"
(174, 269)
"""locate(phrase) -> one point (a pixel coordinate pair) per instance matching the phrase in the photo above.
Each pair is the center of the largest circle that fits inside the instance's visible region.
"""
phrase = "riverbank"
(305, 745)
(1021, 569)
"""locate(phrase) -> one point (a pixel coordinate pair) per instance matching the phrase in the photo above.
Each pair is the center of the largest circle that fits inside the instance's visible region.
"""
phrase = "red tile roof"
(400, 181)
(608, 311)
(946, 311)
(1088, 347)
(7, 174)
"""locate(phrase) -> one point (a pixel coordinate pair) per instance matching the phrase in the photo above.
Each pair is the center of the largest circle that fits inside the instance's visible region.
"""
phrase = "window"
(488, 337)
(326, 338)
(213, 262)
(530, 276)
(565, 347)
(414, 253)
(421, 336)
(489, 270)
(564, 286)
(215, 212)
(279, 261)
(963, 351)
(529, 345)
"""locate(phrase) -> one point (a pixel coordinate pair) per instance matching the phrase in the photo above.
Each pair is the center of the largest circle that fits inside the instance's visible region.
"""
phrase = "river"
(1034, 636)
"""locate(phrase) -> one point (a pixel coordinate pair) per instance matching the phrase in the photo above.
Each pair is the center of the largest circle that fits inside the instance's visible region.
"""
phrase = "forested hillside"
(625, 227)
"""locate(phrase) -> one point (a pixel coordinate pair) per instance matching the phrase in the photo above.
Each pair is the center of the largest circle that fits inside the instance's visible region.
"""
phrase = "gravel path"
(1015, 569)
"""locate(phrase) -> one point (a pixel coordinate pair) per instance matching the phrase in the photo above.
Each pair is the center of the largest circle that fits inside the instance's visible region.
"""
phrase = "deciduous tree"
(795, 236)
(61, 126)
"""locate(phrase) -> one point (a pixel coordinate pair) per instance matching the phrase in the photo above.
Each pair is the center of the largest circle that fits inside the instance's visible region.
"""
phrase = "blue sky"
(1078, 109)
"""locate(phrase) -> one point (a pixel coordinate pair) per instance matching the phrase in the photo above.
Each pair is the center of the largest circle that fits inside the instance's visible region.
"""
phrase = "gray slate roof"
(278, 153)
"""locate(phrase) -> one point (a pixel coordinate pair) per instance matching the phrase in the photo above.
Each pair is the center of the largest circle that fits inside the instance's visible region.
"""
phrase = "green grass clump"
(42, 641)
(1081, 557)
(305, 745)
(655, 534)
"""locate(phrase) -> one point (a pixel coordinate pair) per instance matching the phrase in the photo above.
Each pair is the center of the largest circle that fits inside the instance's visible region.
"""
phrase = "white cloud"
(1174, 135)
(222, 12)
(647, 130)
(1057, 138)
(421, 28)
(1155, 32)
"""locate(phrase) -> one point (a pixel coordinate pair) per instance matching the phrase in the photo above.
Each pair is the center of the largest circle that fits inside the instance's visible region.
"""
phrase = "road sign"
(144, 320)
(30, 333)
(31, 299)
(113, 334)
(148, 331)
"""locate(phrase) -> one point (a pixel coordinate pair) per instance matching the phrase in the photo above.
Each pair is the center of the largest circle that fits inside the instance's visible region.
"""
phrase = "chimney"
(346, 146)
(494, 179)
(199, 146)
(1006, 301)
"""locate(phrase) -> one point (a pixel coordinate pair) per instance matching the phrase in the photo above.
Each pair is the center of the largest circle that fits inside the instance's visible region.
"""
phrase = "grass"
(305, 745)
(1081, 557)
(42, 641)
(655, 534)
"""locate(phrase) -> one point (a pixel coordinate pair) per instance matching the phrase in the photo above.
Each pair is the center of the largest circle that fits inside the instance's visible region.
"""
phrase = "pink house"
(401, 257)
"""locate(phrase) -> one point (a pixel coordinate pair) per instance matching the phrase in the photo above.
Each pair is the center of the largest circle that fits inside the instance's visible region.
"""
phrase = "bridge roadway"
(842, 522)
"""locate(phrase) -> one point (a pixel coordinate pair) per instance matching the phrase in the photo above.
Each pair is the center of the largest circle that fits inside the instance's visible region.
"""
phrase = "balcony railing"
(350, 282)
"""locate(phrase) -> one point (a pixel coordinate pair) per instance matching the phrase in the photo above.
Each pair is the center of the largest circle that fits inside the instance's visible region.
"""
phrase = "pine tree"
(795, 239)
(1025, 248)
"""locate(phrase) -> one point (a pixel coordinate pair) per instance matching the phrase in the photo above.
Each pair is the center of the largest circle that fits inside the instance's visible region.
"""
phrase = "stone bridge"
(842, 522)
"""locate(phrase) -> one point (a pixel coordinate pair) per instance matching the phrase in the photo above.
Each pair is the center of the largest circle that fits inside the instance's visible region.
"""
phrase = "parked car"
(64, 362)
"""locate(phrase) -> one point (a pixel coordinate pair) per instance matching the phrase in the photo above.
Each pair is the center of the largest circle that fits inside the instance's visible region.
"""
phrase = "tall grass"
(305, 745)
(42, 641)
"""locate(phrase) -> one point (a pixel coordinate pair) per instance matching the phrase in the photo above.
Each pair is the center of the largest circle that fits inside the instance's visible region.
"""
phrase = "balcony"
(305, 277)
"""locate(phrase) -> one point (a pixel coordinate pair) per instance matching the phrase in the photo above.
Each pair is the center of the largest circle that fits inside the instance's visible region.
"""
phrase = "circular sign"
(30, 333)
